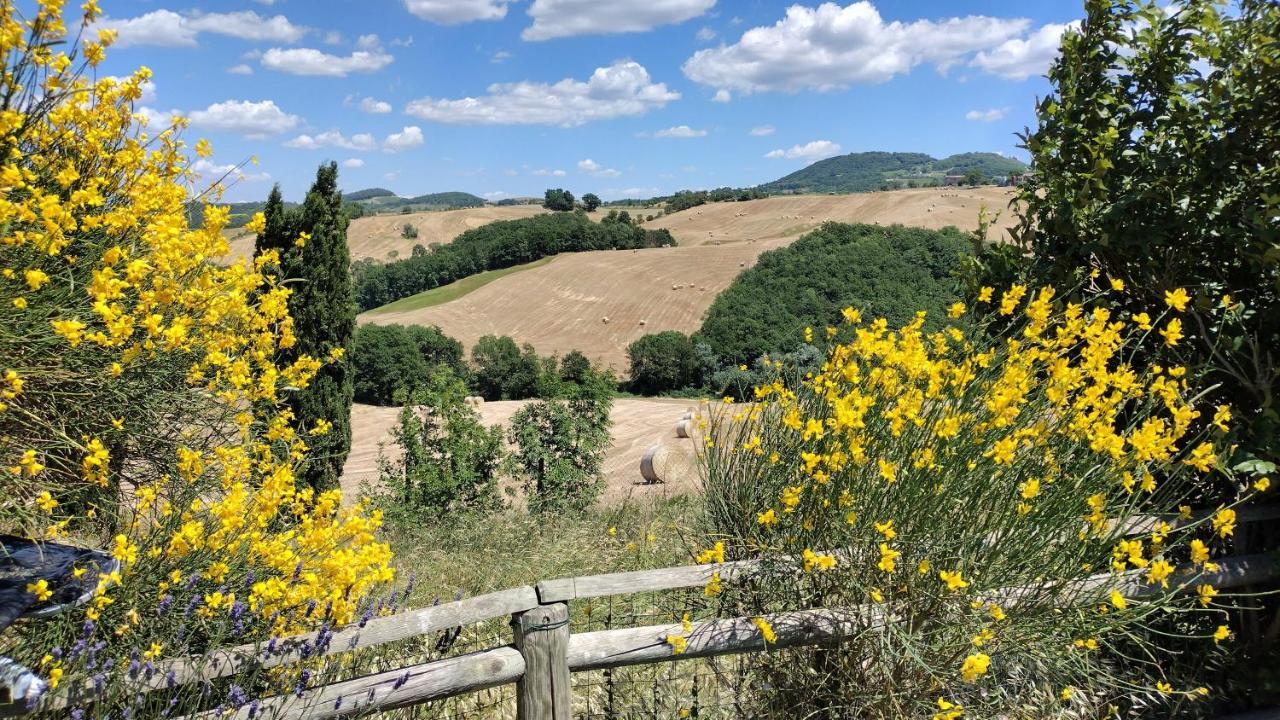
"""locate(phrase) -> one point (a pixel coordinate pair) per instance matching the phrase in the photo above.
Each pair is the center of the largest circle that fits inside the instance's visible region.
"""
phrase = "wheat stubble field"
(638, 423)
(601, 302)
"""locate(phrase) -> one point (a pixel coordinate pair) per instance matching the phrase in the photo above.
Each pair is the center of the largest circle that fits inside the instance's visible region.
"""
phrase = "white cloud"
(377, 107)
(333, 37)
(333, 138)
(166, 28)
(241, 69)
(353, 163)
(544, 172)
(309, 61)
(254, 119)
(706, 34)
(496, 195)
(402, 41)
(391, 176)
(991, 115)
(832, 47)
(368, 42)
(680, 131)
(565, 18)
(763, 130)
(595, 169)
(209, 172)
(500, 56)
(816, 150)
(621, 89)
(722, 96)
(1019, 59)
(452, 12)
(410, 137)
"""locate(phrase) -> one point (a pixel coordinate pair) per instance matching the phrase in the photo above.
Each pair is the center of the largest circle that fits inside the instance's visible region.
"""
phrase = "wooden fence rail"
(544, 651)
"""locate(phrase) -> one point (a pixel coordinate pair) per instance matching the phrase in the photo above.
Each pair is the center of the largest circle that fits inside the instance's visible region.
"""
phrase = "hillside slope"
(377, 236)
(561, 306)
(867, 171)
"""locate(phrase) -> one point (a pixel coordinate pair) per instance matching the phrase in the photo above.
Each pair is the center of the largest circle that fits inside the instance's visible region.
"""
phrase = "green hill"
(367, 194)
(867, 171)
(378, 200)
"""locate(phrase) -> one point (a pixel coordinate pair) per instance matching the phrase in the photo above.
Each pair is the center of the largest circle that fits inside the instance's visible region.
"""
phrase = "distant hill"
(368, 194)
(379, 200)
(867, 171)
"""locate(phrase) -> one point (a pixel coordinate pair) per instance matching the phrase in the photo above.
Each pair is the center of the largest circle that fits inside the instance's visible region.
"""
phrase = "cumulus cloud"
(500, 57)
(309, 61)
(832, 47)
(353, 163)
(545, 172)
(409, 137)
(722, 96)
(680, 131)
(706, 34)
(991, 115)
(209, 172)
(252, 119)
(1019, 59)
(453, 12)
(165, 28)
(595, 169)
(618, 90)
(333, 138)
(377, 107)
(763, 130)
(241, 69)
(816, 150)
(565, 18)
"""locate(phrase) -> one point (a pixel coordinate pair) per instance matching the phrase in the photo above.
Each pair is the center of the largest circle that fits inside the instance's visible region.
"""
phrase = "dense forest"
(883, 271)
(495, 246)
(868, 171)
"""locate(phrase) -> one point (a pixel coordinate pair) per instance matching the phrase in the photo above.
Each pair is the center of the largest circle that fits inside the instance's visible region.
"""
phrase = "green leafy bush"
(558, 199)
(560, 446)
(393, 359)
(502, 370)
(1157, 163)
(889, 271)
(448, 461)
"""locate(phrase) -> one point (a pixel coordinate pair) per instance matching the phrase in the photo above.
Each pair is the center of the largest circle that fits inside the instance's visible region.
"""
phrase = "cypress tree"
(324, 315)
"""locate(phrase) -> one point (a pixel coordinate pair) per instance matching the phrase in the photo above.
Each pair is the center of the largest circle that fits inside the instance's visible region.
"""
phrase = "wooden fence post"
(542, 637)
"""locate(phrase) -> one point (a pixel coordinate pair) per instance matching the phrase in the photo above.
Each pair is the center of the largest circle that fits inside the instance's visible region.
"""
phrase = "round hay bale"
(649, 464)
(604, 320)
(684, 428)
(477, 401)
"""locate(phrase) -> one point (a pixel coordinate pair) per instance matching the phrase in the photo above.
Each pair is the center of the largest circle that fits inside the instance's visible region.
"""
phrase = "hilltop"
(867, 171)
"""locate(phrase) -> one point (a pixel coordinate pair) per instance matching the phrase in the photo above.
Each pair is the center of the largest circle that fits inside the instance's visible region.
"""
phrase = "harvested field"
(638, 423)
(793, 215)
(376, 236)
(564, 305)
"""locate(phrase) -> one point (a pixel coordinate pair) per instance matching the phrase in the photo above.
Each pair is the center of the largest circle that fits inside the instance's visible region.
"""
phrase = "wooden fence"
(544, 651)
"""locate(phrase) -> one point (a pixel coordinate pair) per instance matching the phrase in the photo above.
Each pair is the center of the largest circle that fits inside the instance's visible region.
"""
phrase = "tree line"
(494, 246)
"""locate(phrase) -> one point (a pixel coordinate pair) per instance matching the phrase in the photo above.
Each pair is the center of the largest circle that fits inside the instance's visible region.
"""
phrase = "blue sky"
(618, 97)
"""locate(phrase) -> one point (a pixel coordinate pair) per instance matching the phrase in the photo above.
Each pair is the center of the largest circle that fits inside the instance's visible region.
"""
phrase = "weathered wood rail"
(544, 651)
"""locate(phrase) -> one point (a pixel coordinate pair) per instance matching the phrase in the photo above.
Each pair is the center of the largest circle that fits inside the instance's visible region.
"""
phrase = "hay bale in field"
(648, 464)
(644, 322)
(684, 428)
(604, 320)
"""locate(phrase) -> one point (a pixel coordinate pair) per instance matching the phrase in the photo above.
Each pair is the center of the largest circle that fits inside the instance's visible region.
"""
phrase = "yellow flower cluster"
(118, 295)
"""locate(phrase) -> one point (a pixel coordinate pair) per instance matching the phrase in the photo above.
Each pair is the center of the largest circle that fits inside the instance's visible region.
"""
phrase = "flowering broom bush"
(141, 402)
(951, 493)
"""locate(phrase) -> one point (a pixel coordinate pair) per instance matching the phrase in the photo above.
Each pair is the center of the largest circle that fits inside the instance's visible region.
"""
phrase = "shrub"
(144, 396)
(885, 270)
(389, 360)
(558, 199)
(665, 361)
(559, 448)
(448, 462)
(917, 474)
(409, 232)
(1155, 158)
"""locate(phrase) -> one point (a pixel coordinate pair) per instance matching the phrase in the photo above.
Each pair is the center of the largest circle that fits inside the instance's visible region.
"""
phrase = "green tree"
(312, 240)
(1157, 163)
(575, 367)
(560, 446)
(449, 461)
(664, 361)
(590, 202)
(974, 178)
(393, 359)
(558, 199)
(503, 370)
